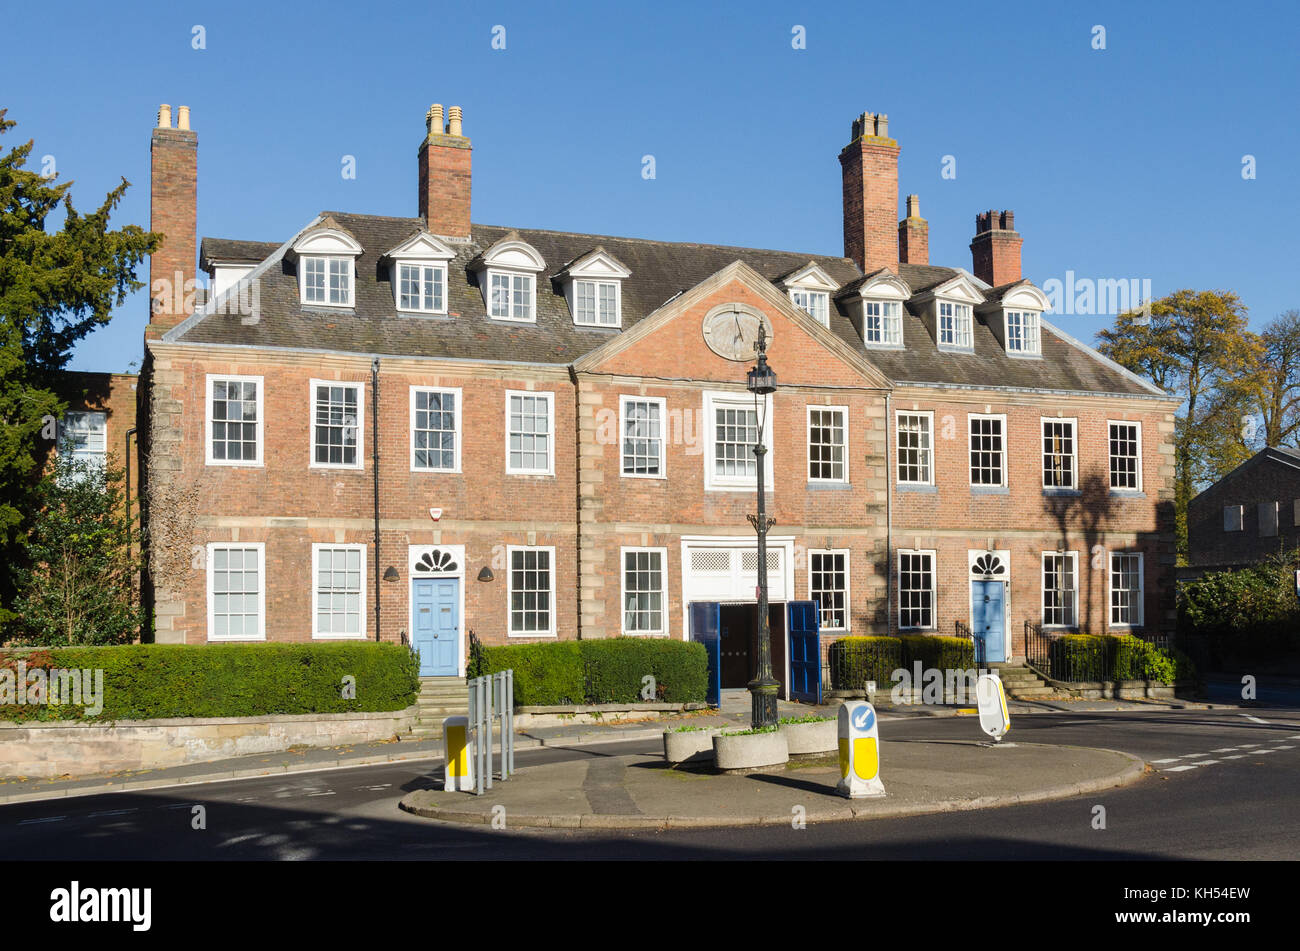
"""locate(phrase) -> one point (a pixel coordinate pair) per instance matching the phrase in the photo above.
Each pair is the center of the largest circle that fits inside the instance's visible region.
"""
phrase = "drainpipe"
(374, 466)
(126, 456)
(889, 522)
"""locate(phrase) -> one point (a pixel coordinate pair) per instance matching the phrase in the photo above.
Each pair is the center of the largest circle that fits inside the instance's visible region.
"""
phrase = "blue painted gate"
(706, 620)
(436, 608)
(989, 617)
(804, 625)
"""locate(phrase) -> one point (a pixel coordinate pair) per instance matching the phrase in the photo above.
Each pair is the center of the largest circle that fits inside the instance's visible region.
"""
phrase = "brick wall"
(1260, 480)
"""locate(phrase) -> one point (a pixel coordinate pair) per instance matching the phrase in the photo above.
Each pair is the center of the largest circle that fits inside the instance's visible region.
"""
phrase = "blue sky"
(1119, 163)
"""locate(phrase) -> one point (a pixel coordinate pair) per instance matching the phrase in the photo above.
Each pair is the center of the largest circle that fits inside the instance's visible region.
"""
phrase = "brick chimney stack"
(913, 235)
(869, 165)
(995, 250)
(445, 174)
(173, 211)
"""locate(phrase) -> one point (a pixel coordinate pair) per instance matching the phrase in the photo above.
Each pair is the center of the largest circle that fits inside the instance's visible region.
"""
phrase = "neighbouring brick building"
(1249, 514)
(382, 427)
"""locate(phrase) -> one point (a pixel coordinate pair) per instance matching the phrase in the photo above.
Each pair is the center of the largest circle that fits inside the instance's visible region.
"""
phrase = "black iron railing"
(962, 629)
(1088, 658)
(854, 661)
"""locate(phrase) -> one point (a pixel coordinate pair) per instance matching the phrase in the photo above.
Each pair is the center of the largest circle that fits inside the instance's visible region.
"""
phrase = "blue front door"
(705, 624)
(436, 606)
(989, 617)
(804, 623)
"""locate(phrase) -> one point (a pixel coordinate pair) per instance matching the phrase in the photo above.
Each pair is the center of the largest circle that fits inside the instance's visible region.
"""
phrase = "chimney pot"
(164, 116)
(453, 121)
(183, 118)
(433, 119)
(882, 126)
(914, 206)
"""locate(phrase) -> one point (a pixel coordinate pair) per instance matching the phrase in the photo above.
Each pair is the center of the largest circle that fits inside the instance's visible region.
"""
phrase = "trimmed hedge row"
(599, 671)
(1096, 657)
(155, 681)
(855, 660)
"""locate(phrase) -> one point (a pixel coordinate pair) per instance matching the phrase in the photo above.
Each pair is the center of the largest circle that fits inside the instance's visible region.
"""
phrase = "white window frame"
(596, 284)
(1073, 558)
(460, 438)
(1141, 592)
(1240, 511)
(812, 593)
(663, 590)
(843, 411)
(891, 324)
(970, 449)
(360, 388)
(510, 590)
(934, 588)
(420, 265)
(327, 259)
(96, 459)
(662, 403)
(723, 483)
(260, 548)
(1074, 452)
(1110, 456)
(212, 379)
(511, 276)
(1031, 332)
(810, 295)
(549, 396)
(963, 325)
(898, 448)
(316, 550)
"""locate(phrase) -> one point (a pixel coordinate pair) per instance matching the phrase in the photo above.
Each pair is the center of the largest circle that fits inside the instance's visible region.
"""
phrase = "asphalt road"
(1224, 787)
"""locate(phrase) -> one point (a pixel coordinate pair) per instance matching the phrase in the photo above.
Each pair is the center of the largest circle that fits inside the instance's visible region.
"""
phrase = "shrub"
(602, 671)
(153, 681)
(1247, 614)
(855, 660)
(938, 652)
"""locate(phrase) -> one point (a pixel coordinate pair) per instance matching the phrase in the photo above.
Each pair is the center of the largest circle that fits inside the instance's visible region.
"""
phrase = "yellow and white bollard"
(992, 699)
(859, 752)
(458, 774)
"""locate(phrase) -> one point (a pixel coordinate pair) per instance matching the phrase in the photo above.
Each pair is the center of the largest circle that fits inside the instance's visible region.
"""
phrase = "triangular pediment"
(672, 341)
(596, 263)
(422, 246)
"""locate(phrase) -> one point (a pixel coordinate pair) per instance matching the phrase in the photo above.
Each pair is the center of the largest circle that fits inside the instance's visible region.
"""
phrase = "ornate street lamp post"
(761, 381)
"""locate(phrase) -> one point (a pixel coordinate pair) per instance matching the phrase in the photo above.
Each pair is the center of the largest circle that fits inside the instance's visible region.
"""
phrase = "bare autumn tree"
(1195, 345)
(1274, 390)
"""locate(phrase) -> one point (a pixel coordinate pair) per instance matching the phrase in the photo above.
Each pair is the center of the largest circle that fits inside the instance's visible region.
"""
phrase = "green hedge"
(152, 681)
(1095, 657)
(855, 660)
(1246, 615)
(598, 671)
(938, 652)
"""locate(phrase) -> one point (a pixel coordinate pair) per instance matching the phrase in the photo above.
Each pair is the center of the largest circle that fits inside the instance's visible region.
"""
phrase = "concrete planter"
(691, 747)
(804, 738)
(749, 751)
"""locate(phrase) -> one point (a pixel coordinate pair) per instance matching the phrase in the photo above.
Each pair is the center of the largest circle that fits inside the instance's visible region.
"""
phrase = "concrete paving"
(641, 791)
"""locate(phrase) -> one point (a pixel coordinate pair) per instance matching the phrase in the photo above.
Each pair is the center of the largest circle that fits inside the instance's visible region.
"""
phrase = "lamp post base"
(763, 711)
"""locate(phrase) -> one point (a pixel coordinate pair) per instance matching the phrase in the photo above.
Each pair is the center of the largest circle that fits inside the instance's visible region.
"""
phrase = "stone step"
(1028, 693)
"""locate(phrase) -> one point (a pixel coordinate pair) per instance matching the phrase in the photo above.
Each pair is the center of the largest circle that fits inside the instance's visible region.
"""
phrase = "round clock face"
(732, 333)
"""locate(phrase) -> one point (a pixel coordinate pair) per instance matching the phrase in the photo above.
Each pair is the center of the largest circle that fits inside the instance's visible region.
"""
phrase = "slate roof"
(660, 271)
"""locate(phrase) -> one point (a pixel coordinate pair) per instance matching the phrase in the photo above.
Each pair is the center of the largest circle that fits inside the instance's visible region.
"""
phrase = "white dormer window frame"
(327, 268)
(418, 270)
(593, 285)
(954, 325)
(882, 323)
(816, 304)
(508, 279)
(1023, 331)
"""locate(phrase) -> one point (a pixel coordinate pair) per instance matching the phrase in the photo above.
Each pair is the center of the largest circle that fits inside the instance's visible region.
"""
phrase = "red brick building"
(383, 427)
(1251, 513)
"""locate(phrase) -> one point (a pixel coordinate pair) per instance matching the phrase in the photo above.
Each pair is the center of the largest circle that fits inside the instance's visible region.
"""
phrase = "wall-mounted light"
(390, 573)
(485, 574)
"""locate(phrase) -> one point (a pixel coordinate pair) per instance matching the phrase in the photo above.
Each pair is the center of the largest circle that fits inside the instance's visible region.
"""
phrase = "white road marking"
(380, 786)
(112, 812)
(1226, 749)
(1238, 756)
(1262, 752)
(1173, 760)
(1284, 747)
(1249, 746)
(1206, 762)
(32, 822)
(1178, 769)
(1253, 719)
(309, 795)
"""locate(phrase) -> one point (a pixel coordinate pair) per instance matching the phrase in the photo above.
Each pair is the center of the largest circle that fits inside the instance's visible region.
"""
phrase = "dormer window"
(327, 266)
(815, 303)
(508, 275)
(810, 288)
(593, 284)
(596, 303)
(1023, 335)
(882, 323)
(419, 274)
(954, 325)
